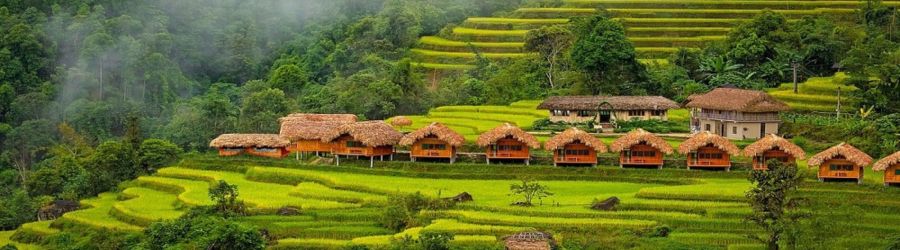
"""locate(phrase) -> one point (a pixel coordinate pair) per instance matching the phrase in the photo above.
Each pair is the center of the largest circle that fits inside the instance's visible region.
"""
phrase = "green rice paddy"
(818, 94)
(471, 121)
(341, 204)
(656, 27)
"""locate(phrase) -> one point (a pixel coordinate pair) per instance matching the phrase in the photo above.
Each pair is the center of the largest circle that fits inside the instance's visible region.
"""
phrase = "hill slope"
(656, 27)
(819, 94)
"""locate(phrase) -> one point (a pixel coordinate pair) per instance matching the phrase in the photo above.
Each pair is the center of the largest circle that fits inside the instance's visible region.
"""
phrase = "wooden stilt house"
(363, 139)
(841, 162)
(306, 131)
(434, 141)
(708, 150)
(773, 147)
(507, 142)
(264, 145)
(640, 148)
(891, 167)
(575, 146)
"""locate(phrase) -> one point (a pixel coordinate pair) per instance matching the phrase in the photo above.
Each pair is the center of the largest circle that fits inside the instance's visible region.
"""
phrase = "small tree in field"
(770, 202)
(226, 198)
(529, 190)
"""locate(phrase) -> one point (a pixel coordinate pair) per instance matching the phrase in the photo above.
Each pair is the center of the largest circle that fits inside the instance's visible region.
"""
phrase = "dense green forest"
(95, 92)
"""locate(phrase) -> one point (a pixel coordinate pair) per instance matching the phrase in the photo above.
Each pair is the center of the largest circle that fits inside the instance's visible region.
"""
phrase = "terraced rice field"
(341, 206)
(656, 27)
(818, 94)
(471, 121)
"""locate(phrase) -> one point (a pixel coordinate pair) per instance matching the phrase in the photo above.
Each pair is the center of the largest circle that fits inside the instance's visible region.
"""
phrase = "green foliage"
(111, 163)
(403, 210)
(653, 126)
(206, 232)
(260, 109)
(289, 78)
(62, 177)
(435, 240)
(226, 198)
(771, 202)
(551, 42)
(603, 51)
(156, 153)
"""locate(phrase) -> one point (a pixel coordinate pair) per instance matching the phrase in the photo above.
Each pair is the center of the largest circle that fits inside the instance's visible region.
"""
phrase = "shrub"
(653, 126)
(202, 232)
(435, 240)
(156, 153)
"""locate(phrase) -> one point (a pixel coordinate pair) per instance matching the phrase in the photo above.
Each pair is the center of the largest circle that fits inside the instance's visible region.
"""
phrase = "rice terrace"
(449, 124)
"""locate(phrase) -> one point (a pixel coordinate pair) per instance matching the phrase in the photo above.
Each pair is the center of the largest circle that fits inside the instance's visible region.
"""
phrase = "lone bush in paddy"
(404, 209)
(770, 202)
(529, 190)
(201, 231)
(435, 240)
(226, 198)
(156, 153)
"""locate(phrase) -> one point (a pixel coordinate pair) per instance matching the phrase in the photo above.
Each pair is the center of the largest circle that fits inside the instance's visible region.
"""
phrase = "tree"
(27, 143)
(289, 78)
(61, 177)
(771, 202)
(156, 153)
(200, 231)
(604, 52)
(262, 109)
(226, 198)
(550, 42)
(529, 189)
(113, 161)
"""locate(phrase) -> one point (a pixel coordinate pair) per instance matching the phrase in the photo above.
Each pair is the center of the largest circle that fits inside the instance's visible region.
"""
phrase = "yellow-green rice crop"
(721, 239)
(470, 55)
(500, 20)
(456, 227)
(713, 191)
(318, 191)
(146, 206)
(190, 192)
(258, 195)
(4, 240)
(541, 222)
(98, 215)
(295, 243)
(444, 66)
(39, 227)
(434, 40)
(486, 32)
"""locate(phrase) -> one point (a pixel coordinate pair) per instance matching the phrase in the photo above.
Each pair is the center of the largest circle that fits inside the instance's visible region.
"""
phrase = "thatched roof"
(506, 130)
(401, 121)
(734, 99)
(617, 103)
(438, 130)
(848, 151)
(312, 126)
(249, 140)
(529, 241)
(772, 141)
(706, 138)
(572, 135)
(887, 162)
(636, 137)
(370, 133)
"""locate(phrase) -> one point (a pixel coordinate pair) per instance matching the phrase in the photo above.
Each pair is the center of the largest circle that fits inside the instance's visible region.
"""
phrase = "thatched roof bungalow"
(306, 130)
(606, 110)
(773, 147)
(708, 150)
(507, 142)
(368, 139)
(891, 167)
(641, 148)
(842, 161)
(433, 141)
(265, 145)
(574, 146)
(736, 113)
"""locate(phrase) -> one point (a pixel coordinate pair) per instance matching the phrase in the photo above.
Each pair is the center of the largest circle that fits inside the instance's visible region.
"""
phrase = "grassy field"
(817, 94)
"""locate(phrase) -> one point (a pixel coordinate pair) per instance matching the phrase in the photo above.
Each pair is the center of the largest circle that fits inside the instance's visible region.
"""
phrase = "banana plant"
(865, 113)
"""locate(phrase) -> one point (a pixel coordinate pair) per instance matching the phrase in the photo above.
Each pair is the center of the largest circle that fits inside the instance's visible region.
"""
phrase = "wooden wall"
(760, 164)
(493, 152)
(339, 147)
(825, 172)
(310, 146)
(655, 160)
(890, 174)
(418, 151)
(703, 158)
(560, 157)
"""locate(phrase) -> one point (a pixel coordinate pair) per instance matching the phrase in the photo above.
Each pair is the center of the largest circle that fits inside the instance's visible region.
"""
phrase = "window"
(577, 152)
(585, 113)
(643, 153)
(734, 130)
(658, 112)
(635, 113)
(897, 172)
(265, 150)
(708, 128)
(710, 156)
(509, 148)
(233, 149)
(434, 146)
(355, 144)
(841, 167)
